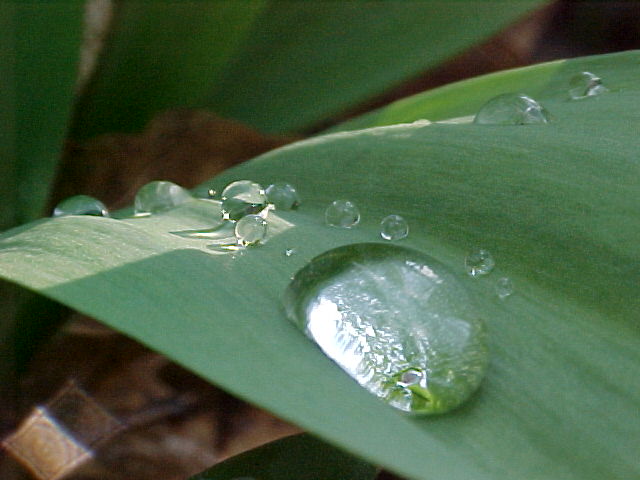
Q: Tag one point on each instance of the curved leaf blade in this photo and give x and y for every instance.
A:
(278, 66)
(554, 203)
(299, 457)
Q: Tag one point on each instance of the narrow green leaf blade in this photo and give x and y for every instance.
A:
(299, 457)
(555, 204)
(278, 66)
(39, 50)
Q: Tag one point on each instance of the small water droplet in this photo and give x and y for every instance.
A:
(250, 230)
(479, 262)
(241, 198)
(511, 109)
(585, 84)
(211, 193)
(342, 213)
(288, 252)
(283, 196)
(394, 227)
(80, 205)
(412, 376)
(504, 288)
(396, 320)
(159, 196)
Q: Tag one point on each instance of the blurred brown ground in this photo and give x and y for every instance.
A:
(177, 423)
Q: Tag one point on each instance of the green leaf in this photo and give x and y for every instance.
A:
(39, 47)
(278, 66)
(299, 457)
(557, 206)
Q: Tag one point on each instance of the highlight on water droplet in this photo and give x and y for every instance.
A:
(396, 320)
(289, 252)
(80, 205)
(511, 109)
(159, 196)
(342, 214)
(479, 263)
(504, 288)
(283, 196)
(250, 230)
(241, 198)
(394, 227)
(585, 84)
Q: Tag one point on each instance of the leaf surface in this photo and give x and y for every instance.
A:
(556, 205)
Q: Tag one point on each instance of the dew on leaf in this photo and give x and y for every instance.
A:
(511, 109)
(396, 320)
(585, 84)
(80, 205)
(342, 214)
(250, 230)
(394, 227)
(283, 196)
(504, 288)
(479, 262)
(241, 198)
(159, 196)
(289, 252)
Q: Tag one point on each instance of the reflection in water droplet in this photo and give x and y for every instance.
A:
(479, 262)
(585, 84)
(395, 320)
(394, 227)
(504, 288)
(511, 109)
(288, 252)
(159, 196)
(211, 193)
(241, 198)
(342, 213)
(81, 205)
(251, 229)
(283, 196)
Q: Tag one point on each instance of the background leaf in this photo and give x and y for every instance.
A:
(278, 66)
(39, 47)
(555, 204)
(299, 457)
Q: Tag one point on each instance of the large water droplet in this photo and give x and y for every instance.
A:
(159, 196)
(283, 196)
(251, 229)
(479, 262)
(396, 320)
(511, 109)
(394, 227)
(585, 84)
(241, 198)
(342, 213)
(81, 205)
